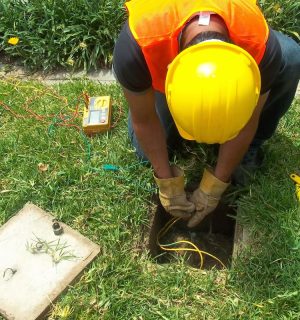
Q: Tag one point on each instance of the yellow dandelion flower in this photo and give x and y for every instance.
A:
(13, 41)
(82, 45)
(277, 8)
(70, 62)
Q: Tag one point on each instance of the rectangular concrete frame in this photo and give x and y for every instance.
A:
(37, 282)
(241, 238)
(240, 241)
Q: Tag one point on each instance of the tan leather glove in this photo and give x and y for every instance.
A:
(172, 195)
(206, 197)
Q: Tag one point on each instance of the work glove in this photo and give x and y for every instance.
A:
(172, 195)
(206, 197)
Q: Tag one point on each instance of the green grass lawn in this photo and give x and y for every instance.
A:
(111, 208)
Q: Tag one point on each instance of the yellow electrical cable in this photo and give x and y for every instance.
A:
(165, 247)
(298, 191)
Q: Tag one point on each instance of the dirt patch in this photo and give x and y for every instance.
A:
(214, 235)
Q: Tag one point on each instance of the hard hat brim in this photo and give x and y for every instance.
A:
(184, 134)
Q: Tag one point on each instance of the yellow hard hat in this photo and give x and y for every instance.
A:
(212, 89)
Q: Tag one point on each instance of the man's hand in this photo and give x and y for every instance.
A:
(172, 195)
(206, 197)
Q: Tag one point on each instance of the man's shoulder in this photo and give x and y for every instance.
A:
(129, 64)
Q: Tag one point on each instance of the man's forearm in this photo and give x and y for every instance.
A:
(152, 139)
(149, 131)
(232, 152)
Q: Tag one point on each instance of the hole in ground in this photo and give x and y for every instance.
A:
(215, 235)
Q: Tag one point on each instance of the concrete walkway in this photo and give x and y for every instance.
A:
(101, 76)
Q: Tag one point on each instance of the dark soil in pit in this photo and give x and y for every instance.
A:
(215, 235)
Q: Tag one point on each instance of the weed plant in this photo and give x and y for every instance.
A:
(61, 33)
(111, 208)
(283, 15)
(80, 34)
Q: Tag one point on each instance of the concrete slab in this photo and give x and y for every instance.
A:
(36, 265)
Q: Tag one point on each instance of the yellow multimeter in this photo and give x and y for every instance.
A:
(97, 115)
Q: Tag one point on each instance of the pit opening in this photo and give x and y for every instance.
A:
(215, 235)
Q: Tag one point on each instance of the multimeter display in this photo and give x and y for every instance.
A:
(94, 117)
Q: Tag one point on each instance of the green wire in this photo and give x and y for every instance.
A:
(88, 155)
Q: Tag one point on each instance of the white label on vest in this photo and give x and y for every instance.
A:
(204, 18)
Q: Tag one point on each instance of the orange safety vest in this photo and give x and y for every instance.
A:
(156, 24)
